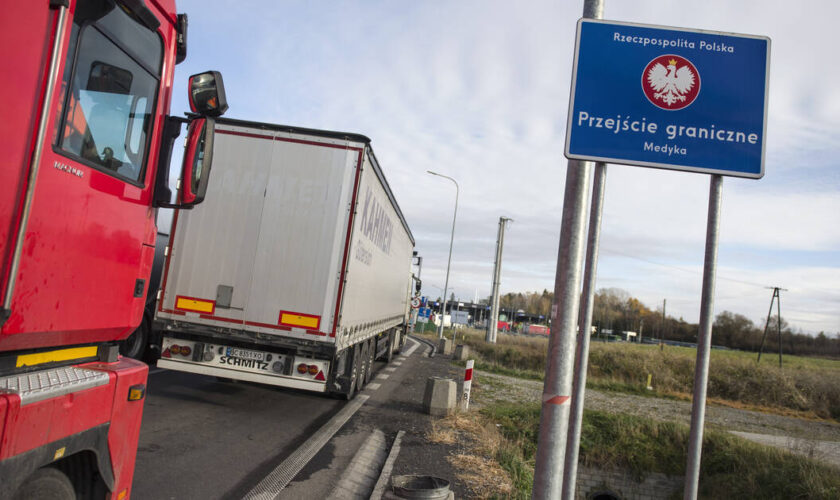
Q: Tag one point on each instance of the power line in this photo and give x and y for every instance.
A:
(669, 266)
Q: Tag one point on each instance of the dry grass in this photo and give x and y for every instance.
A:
(478, 443)
(731, 467)
(807, 387)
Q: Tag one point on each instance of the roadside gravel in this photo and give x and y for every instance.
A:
(492, 388)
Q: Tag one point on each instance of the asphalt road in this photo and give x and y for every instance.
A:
(204, 438)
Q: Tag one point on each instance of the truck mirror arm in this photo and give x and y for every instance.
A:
(171, 131)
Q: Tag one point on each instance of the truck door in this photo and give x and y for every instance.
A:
(89, 238)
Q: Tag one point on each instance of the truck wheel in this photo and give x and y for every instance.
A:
(135, 345)
(46, 483)
(361, 366)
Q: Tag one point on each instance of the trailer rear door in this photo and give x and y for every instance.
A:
(266, 249)
(211, 263)
(303, 234)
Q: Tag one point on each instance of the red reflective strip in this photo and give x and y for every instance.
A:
(169, 244)
(468, 375)
(264, 325)
(289, 139)
(557, 400)
(339, 295)
(316, 332)
(220, 318)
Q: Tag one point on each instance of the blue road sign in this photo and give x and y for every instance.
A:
(424, 312)
(669, 98)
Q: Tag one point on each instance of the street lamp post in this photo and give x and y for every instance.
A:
(449, 262)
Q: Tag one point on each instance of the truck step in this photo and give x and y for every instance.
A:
(41, 385)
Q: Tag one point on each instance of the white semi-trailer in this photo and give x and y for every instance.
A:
(295, 271)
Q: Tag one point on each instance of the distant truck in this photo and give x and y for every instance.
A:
(296, 269)
(535, 330)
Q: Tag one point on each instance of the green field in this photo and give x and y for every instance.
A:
(804, 386)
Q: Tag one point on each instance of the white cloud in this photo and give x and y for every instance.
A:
(479, 89)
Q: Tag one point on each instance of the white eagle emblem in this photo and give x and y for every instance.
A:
(670, 84)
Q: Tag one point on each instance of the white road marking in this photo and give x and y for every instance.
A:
(382, 376)
(390, 369)
(280, 477)
(373, 386)
(411, 349)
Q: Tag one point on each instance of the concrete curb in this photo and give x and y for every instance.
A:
(385, 475)
(428, 343)
(360, 476)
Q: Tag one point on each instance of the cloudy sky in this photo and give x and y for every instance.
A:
(479, 90)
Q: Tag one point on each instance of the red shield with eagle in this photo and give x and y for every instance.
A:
(671, 82)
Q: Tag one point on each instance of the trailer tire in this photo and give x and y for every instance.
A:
(371, 355)
(46, 482)
(359, 361)
(390, 354)
(353, 369)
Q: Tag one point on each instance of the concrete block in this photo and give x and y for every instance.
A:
(440, 397)
(462, 352)
(445, 347)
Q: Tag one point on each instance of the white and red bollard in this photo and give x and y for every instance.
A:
(468, 373)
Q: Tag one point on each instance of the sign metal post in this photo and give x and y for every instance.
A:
(650, 96)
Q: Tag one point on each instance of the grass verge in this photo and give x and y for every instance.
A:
(808, 387)
(731, 467)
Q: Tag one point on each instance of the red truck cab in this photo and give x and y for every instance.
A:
(86, 141)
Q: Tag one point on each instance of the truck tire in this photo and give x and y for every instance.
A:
(135, 345)
(46, 483)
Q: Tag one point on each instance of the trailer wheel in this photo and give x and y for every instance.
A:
(390, 355)
(371, 344)
(47, 482)
(352, 372)
(135, 345)
(361, 365)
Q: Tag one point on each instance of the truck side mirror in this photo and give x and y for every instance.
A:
(207, 94)
(198, 158)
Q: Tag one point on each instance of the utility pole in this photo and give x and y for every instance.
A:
(492, 325)
(662, 333)
(778, 298)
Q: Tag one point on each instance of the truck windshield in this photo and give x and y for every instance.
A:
(111, 96)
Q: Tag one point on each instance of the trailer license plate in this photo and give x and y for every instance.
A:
(245, 354)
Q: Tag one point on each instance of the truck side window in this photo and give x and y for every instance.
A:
(111, 93)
